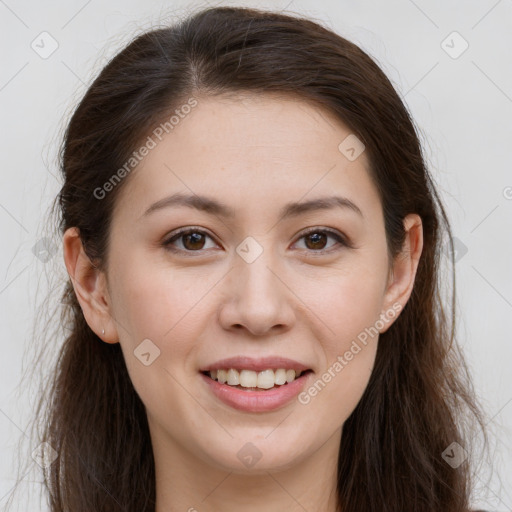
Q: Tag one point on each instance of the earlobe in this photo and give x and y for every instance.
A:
(405, 265)
(90, 286)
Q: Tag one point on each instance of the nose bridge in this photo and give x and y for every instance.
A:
(254, 275)
(258, 298)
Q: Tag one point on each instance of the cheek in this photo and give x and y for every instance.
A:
(156, 301)
(348, 309)
(348, 305)
(337, 390)
(166, 306)
(346, 301)
(350, 351)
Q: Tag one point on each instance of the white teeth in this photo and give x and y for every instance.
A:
(265, 379)
(280, 376)
(290, 375)
(248, 379)
(233, 377)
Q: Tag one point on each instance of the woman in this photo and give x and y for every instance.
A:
(256, 318)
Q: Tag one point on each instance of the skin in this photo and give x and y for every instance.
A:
(254, 153)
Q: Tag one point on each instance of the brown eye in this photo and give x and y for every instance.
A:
(316, 240)
(192, 240)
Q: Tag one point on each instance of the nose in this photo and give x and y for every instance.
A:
(257, 297)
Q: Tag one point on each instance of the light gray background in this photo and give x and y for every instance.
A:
(462, 105)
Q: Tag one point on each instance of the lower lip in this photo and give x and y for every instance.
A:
(257, 401)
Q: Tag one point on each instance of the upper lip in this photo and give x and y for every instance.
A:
(255, 364)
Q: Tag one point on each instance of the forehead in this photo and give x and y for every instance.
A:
(252, 151)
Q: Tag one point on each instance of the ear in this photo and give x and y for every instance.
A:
(90, 287)
(404, 267)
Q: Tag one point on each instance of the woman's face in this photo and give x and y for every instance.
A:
(278, 274)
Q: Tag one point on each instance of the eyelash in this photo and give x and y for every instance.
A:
(342, 241)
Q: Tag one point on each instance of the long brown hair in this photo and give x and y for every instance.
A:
(419, 399)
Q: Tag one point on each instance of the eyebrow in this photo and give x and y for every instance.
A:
(214, 207)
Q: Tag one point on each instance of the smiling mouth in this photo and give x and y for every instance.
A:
(249, 380)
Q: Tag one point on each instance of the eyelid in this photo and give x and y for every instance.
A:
(175, 235)
(341, 238)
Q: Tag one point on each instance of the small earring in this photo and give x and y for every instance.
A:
(102, 331)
